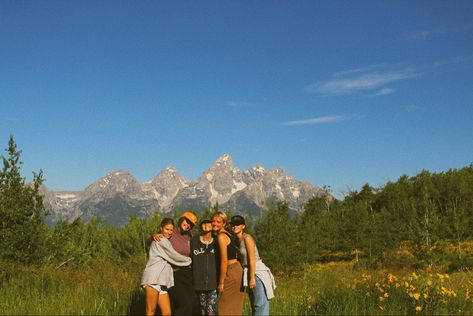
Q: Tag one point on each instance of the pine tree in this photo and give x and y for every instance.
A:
(22, 228)
(277, 238)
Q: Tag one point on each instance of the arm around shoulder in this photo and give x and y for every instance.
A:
(172, 256)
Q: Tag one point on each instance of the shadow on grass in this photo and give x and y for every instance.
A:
(138, 303)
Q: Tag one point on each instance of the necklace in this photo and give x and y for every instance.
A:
(205, 240)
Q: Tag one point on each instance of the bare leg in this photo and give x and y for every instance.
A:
(152, 297)
(164, 304)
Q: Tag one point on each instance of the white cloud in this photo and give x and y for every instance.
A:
(370, 68)
(423, 35)
(238, 104)
(384, 91)
(457, 60)
(367, 81)
(413, 108)
(418, 36)
(318, 120)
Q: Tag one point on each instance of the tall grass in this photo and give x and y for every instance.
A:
(101, 288)
(105, 288)
(339, 289)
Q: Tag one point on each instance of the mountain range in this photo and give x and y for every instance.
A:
(116, 196)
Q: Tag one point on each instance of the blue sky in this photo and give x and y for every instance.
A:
(339, 93)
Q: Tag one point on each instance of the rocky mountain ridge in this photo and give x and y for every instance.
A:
(117, 195)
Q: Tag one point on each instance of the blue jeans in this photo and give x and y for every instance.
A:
(259, 301)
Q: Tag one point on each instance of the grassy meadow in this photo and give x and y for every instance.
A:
(98, 289)
(330, 288)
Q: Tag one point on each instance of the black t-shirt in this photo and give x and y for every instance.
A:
(204, 267)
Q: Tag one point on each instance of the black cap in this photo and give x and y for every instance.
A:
(203, 221)
(237, 220)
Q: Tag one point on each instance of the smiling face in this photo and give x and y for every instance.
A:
(185, 226)
(217, 223)
(166, 230)
(238, 228)
(206, 227)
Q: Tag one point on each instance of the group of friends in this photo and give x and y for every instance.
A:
(208, 273)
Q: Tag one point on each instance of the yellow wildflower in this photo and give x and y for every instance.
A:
(381, 298)
(429, 282)
(426, 295)
(419, 309)
(386, 295)
(429, 268)
(416, 296)
(443, 276)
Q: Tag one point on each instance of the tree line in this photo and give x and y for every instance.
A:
(426, 214)
(429, 215)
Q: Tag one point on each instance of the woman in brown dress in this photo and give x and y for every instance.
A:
(230, 270)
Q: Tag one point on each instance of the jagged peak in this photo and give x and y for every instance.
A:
(118, 172)
(225, 159)
(277, 170)
(117, 175)
(111, 179)
(170, 169)
(256, 172)
(168, 172)
(258, 168)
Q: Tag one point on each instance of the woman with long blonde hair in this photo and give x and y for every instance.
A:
(230, 271)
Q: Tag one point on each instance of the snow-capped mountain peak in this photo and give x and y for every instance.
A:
(118, 194)
(225, 160)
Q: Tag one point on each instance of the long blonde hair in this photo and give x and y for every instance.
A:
(223, 216)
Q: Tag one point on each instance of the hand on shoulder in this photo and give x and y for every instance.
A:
(157, 236)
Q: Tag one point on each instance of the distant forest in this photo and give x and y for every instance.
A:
(415, 221)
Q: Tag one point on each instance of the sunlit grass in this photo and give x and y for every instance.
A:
(339, 289)
(105, 288)
(102, 288)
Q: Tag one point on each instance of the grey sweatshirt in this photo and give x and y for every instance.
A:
(158, 269)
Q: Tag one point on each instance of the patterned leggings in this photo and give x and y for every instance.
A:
(208, 302)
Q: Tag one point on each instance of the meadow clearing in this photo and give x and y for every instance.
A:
(327, 288)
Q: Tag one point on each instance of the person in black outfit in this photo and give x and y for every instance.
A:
(204, 268)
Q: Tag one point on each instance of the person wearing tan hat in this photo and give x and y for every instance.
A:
(182, 290)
